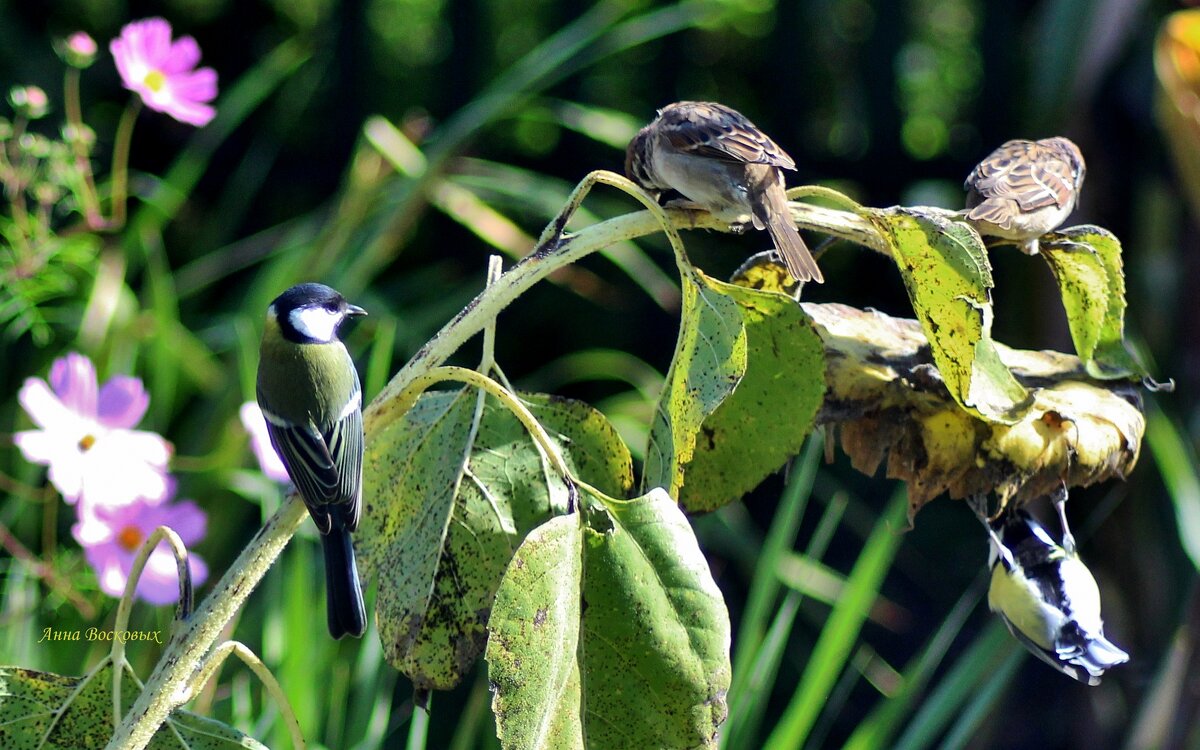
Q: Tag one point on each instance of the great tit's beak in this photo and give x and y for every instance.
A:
(354, 311)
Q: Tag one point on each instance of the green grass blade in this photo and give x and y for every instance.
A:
(979, 665)
(840, 633)
(746, 712)
(764, 589)
(1178, 466)
(884, 721)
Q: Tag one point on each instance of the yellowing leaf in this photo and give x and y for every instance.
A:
(946, 271)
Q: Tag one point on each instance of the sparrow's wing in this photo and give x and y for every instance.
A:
(1032, 175)
(718, 132)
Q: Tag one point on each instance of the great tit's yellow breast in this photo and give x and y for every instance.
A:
(305, 381)
(1016, 598)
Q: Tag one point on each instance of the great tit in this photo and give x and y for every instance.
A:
(309, 393)
(1046, 595)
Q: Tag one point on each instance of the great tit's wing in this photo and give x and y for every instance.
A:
(306, 457)
(345, 441)
(718, 132)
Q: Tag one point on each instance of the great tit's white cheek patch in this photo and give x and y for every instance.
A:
(316, 323)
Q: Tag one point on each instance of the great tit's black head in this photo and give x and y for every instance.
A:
(311, 313)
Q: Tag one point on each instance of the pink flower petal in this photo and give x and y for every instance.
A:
(153, 40)
(99, 531)
(200, 86)
(260, 442)
(123, 402)
(183, 56)
(192, 114)
(73, 378)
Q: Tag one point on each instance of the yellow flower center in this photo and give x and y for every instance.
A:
(154, 80)
(86, 442)
(130, 538)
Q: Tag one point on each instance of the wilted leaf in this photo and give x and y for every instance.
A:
(1086, 262)
(608, 626)
(447, 501)
(710, 359)
(764, 421)
(44, 711)
(889, 403)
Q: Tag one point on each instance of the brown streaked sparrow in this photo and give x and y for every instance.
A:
(720, 161)
(1025, 189)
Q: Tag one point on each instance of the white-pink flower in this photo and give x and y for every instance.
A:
(268, 460)
(163, 72)
(111, 537)
(85, 435)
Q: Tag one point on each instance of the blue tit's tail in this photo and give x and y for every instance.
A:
(344, 602)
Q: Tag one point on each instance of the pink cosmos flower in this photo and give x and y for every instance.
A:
(85, 435)
(111, 537)
(268, 460)
(163, 72)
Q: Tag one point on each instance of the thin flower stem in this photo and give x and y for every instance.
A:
(122, 143)
(16, 189)
(71, 102)
(45, 572)
(192, 642)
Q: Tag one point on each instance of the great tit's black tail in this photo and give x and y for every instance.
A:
(344, 602)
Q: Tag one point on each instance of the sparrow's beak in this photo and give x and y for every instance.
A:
(354, 311)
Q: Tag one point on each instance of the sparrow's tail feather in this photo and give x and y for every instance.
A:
(344, 602)
(799, 261)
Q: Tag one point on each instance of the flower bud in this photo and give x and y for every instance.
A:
(29, 101)
(77, 50)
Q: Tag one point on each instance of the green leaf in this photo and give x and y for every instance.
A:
(945, 268)
(608, 626)
(1086, 262)
(41, 710)
(710, 359)
(448, 498)
(763, 423)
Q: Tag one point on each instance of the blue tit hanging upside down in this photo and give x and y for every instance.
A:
(1046, 595)
(309, 393)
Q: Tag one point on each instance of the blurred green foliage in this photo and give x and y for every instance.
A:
(893, 100)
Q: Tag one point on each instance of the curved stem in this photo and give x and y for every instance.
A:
(502, 394)
(251, 660)
(126, 604)
(190, 644)
(120, 163)
(552, 252)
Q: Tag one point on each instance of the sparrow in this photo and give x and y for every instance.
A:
(309, 393)
(719, 160)
(1025, 189)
